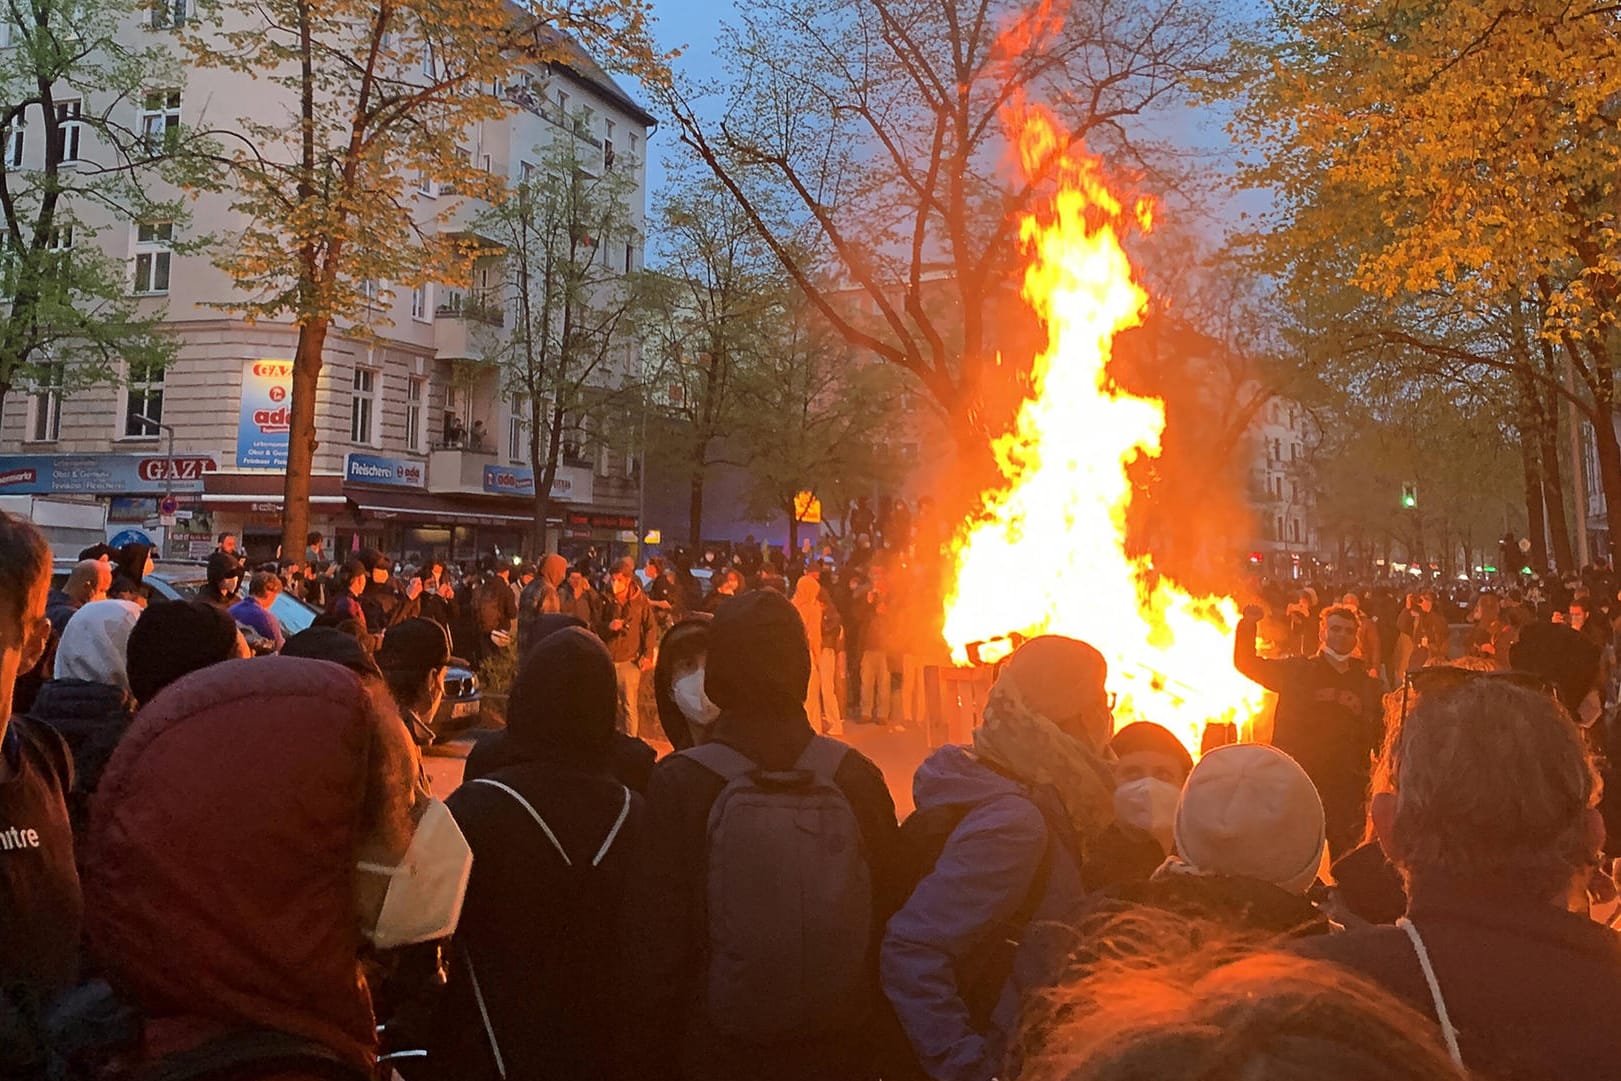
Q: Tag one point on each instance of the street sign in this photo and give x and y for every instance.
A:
(167, 506)
(166, 521)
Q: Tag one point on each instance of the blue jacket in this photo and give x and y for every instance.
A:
(983, 877)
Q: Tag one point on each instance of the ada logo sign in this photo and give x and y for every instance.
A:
(265, 418)
(392, 472)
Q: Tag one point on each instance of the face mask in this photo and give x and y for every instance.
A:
(695, 706)
(1339, 658)
(1149, 804)
(424, 898)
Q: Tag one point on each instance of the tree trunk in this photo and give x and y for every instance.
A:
(301, 441)
(695, 511)
(793, 529)
(1536, 530)
(1553, 491)
(1609, 462)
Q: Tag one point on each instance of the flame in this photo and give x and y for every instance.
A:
(1046, 553)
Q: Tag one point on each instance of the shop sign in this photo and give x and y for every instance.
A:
(568, 486)
(102, 474)
(265, 419)
(385, 472)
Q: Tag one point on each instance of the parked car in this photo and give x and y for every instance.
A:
(175, 581)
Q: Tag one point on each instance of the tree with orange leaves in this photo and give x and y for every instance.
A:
(1450, 163)
(368, 99)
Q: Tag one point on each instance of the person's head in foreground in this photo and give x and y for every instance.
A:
(306, 826)
(1490, 787)
(25, 579)
(174, 638)
(758, 660)
(1249, 811)
(1047, 720)
(563, 701)
(1209, 1017)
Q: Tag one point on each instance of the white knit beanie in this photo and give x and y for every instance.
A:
(1249, 809)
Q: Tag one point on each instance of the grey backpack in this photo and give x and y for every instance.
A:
(789, 897)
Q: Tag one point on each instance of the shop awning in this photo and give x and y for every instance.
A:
(263, 491)
(446, 510)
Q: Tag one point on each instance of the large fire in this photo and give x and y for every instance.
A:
(1046, 552)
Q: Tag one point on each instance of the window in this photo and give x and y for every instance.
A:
(464, 156)
(419, 303)
(361, 403)
(562, 105)
(152, 256)
(424, 183)
(67, 117)
(1294, 453)
(171, 12)
(143, 402)
(1294, 529)
(45, 405)
(160, 119)
(518, 430)
(61, 238)
(627, 256)
(415, 393)
(1277, 528)
(15, 139)
(632, 143)
(427, 59)
(371, 291)
(608, 143)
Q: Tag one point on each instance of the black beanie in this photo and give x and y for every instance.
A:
(173, 638)
(759, 657)
(1156, 739)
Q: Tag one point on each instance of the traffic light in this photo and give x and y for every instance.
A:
(1409, 495)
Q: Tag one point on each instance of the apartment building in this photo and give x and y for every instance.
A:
(419, 449)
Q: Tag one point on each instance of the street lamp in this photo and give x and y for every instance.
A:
(168, 467)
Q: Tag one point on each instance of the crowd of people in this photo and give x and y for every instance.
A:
(221, 866)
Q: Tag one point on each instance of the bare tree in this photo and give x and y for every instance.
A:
(879, 125)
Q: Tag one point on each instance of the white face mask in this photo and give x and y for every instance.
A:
(425, 892)
(1149, 804)
(1340, 658)
(695, 706)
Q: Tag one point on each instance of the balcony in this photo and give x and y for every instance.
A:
(465, 330)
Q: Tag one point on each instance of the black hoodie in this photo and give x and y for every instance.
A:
(757, 671)
(537, 932)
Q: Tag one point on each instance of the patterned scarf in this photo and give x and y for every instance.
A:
(1038, 752)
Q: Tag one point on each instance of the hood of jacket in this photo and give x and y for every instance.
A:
(757, 672)
(130, 561)
(681, 644)
(564, 699)
(219, 883)
(94, 643)
(953, 777)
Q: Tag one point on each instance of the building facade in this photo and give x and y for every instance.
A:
(419, 449)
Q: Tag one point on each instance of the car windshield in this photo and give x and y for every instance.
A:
(293, 614)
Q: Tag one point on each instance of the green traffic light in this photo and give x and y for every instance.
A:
(1408, 501)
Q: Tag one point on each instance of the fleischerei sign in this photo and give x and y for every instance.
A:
(265, 420)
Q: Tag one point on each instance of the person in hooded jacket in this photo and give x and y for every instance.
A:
(231, 905)
(224, 575)
(1249, 843)
(89, 702)
(685, 713)
(383, 600)
(1033, 789)
(540, 597)
(131, 564)
(756, 670)
(553, 832)
(173, 638)
(629, 759)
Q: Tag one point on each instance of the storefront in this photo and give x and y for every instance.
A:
(132, 488)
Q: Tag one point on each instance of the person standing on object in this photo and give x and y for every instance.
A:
(1329, 716)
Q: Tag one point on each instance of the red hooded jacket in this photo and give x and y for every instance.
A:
(219, 888)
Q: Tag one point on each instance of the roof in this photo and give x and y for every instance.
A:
(573, 60)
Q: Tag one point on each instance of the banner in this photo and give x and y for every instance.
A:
(102, 474)
(389, 472)
(263, 425)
